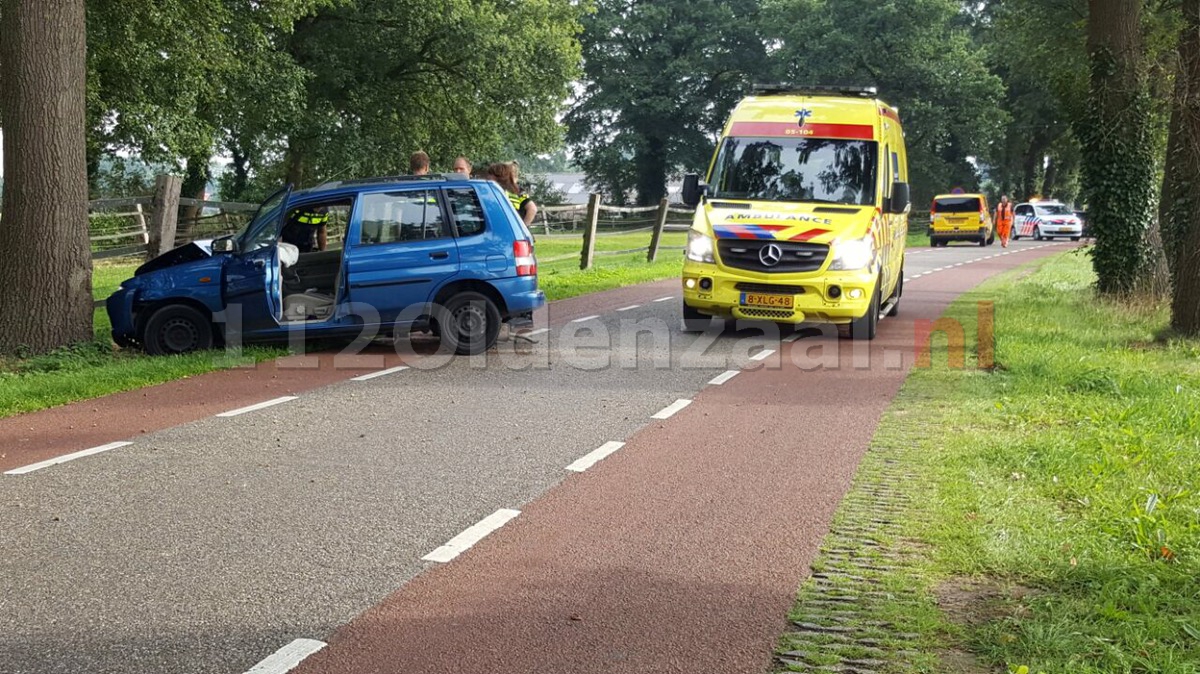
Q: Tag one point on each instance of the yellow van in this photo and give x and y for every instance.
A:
(960, 217)
(803, 214)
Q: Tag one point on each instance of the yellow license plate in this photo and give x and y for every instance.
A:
(768, 301)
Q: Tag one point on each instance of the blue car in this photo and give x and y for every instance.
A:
(354, 259)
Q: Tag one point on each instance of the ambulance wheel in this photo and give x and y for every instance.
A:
(469, 324)
(896, 295)
(176, 329)
(694, 321)
(864, 329)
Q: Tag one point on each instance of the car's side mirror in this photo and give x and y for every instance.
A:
(901, 200)
(225, 244)
(693, 189)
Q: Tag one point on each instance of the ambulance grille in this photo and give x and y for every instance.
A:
(797, 257)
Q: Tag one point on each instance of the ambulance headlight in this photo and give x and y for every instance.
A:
(853, 255)
(700, 247)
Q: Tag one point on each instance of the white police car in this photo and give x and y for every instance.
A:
(1046, 220)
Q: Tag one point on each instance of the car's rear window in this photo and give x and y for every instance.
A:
(958, 205)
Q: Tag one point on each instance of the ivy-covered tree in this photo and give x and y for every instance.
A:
(659, 79)
(922, 58)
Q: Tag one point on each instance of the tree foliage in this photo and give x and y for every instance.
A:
(923, 59)
(660, 77)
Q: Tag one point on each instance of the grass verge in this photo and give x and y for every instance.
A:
(1041, 516)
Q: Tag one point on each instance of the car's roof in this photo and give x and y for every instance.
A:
(384, 182)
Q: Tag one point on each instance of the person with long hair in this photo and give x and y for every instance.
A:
(505, 175)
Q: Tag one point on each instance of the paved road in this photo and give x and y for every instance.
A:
(207, 546)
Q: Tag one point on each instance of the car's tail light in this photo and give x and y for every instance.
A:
(526, 262)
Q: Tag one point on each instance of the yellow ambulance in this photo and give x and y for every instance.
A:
(803, 214)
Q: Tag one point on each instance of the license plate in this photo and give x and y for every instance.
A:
(768, 301)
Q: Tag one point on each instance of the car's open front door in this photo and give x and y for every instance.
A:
(253, 302)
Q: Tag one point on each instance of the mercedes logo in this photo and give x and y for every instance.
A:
(770, 255)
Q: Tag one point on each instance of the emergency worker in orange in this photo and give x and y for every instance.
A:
(1004, 220)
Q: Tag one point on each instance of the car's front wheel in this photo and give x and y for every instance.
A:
(469, 324)
(866, 327)
(175, 329)
(694, 321)
(1037, 234)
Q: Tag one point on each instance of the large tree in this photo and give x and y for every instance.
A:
(660, 77)
(1181, 221)
(45, 263)
(922, 58)
(1117, 136)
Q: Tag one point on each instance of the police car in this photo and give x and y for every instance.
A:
(1046, 220)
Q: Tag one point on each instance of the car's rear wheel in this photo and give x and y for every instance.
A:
(469, 324)
(991, 238)
(983, 241)
(175, 329)
(898, 293)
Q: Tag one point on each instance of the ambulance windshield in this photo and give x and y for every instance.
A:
(796, 169)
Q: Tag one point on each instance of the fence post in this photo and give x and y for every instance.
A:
(165, 215)
(140, 215)
(589, 234)
(546, 222)
(659, 223)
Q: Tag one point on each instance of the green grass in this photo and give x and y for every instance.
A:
(107, 276)
(1072, 470)
(563, 278)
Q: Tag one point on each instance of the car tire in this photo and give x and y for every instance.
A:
(1075, 238)
(1037, 234)
(176, 329)
(694, 321)
(992, 238)
(897, 294)
(983, 242)
(866, 328)
(469, 323)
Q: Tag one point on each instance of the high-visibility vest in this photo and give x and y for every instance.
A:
(312, 218)
(517, 200)
(1004, 212)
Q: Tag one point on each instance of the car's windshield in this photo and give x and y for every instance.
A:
(796, 169)
(1053, 209)
(260, 232)
(958, 205)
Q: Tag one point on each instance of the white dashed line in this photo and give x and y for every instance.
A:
(259, 406)
(629, 308)
(535, 333)
(763, 355)
(791, 338)
(286, 658)
(959, 264)
(672, 409)
(724, 377)
(595, 456)
(585, 319)
(381, 373)
(475, 533)
(65, 458)
(665, 299)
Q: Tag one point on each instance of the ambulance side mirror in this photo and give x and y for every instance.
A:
(693, 190)
(901, 200)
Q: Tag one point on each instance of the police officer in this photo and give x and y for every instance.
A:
(505, 175)
(305, 229)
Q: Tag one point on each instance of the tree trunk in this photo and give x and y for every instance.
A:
(1050, 179)
(1118, 149)
(1184, 174)
(45, 257)
(195, 186)
(652, 172)
(241, 173)
(295, 162)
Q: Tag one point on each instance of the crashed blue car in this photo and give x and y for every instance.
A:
(354, 259)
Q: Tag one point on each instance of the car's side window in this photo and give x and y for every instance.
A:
(396, 217)
(468, 213)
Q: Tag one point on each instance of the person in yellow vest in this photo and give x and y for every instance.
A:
(505, 175)
(1004, 220)
(305, 230)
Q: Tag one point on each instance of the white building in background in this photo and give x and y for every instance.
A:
(574, 186)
